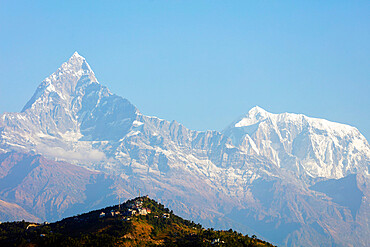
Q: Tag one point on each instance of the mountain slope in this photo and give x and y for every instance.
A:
(116, 226)
(11, 211)
(257, 175)
(52, 190)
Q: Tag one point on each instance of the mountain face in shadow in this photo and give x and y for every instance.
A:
(344, 192)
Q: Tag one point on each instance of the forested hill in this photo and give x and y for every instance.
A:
(138, 222)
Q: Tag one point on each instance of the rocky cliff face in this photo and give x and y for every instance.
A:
(258, 175)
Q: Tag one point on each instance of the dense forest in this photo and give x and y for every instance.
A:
(138, 222)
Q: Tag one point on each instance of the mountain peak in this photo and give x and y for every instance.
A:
(72, 74)
(75, 54)
(256, 110)
(76, 63)
(254, 115)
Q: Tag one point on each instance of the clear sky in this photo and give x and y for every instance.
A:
(201, 63)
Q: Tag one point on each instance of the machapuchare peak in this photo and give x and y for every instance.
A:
(64, 82)
(77, 63)
(76, 54)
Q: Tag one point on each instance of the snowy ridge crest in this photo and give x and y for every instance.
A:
(317, 147)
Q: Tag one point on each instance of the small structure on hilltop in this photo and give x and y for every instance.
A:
(131, 212)
(135, 207)
(32, 225)
(144, 211)
(166, 215)
(114, 213)
(102, 215)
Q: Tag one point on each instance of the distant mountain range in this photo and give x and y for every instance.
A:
(291, 179)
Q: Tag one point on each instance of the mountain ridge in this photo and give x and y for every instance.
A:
(210, 176)
(286, 129)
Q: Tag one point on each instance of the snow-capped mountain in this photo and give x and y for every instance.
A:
(68, 111)
(316, 147)
(266, 173)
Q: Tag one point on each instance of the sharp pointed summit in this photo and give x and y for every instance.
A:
(69, 78)
(78, 63)
(72, 102)
(257, 109)
(76, 54)
(253, 116)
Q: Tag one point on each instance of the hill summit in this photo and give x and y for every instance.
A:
(137, 222)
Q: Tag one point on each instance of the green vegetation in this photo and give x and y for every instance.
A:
(121, 227)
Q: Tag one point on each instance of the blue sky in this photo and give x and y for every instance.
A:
(201, 63)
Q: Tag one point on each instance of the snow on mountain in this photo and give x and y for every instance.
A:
(256, 173)
(305, 145)
(68, 111)
(62, 85)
